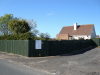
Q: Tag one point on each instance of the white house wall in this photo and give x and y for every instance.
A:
(93, 34)
(82, 36)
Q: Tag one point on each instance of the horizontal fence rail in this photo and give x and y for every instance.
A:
(49, 48)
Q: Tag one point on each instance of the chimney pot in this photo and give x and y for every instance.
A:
(75, 26)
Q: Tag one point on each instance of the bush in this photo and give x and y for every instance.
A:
(24, 36)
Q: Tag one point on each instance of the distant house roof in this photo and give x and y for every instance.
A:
(81, 30)
(97, 36)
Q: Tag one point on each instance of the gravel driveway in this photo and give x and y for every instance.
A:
(85, 63)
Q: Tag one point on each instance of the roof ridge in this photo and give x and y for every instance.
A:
(79, 25)
(88, 24)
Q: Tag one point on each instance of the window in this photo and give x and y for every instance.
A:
(81, 38)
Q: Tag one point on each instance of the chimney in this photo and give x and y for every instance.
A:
(75, 26)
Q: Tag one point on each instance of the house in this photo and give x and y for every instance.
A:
(97, 36)
(77, 32)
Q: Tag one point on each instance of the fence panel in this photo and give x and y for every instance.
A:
(14, 46)
(95, 42)
(49, 48)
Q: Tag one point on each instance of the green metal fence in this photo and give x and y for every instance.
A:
(15, 46)
(95, 42)
(49, 48)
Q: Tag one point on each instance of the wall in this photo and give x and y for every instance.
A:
(62, 36)
(93, 34)
(81, 36)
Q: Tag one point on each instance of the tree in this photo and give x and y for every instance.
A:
(18, 26)
(44, 36)
(33, 26)
(47, 36)
(4, 23)
(10, 24)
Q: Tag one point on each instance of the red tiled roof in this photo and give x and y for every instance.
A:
(97, 36)
(81, 30)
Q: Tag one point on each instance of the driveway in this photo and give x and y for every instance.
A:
(84, 63)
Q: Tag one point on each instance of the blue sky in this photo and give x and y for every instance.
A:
(52, 15)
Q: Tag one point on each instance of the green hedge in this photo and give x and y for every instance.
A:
(23, 36)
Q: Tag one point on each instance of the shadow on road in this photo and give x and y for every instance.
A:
(79, 52)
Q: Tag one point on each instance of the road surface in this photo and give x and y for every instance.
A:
(11, 68)
(84, 63)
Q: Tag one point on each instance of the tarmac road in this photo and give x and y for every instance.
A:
(11, 68)
(83, 63)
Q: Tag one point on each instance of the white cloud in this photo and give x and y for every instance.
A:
(50, 14)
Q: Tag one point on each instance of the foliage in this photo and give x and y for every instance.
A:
(14, 28)
(4, 23)
(44, 36)
(32, 24)
(18, 26)
(24, 36)
(95, 38)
